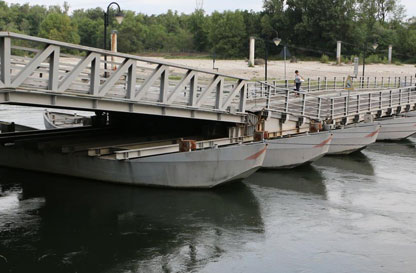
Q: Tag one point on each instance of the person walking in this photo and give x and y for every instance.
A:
(298, 80)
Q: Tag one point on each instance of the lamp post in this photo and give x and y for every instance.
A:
(276, 41)
(375, 45)
(119, 17)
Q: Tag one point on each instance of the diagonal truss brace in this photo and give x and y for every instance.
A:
(215, 83)
(94, 60)
(187, 78)
(240, 85)
(52, 51)
(152, 78)
(124, 67)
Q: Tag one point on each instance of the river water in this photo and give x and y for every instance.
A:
(352, 213)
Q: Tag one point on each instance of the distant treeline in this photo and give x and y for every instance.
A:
(310, 28)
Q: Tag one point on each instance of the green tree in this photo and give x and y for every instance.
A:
(198, 25)
(227, 34)
(58, 26)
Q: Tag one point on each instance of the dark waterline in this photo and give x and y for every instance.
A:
(352, 213)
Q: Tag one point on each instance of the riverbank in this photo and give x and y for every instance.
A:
(307, 69)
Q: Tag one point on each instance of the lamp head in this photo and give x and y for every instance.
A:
(375, 45)
(119, 17)
(277, 41)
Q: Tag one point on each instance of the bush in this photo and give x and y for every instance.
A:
(346, 60)
(373, 59)
(324, 59)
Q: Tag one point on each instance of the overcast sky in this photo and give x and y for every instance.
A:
(186, 6)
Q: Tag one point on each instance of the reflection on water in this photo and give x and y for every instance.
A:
(318, 219)
(403, 148)
(303, 179)
(74, 225)
(355, 163)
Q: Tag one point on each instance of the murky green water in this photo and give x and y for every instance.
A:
(342, 214)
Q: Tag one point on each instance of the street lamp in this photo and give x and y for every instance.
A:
(375, 45)
(276, 41)
(119, 18)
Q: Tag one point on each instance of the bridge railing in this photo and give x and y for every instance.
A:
(335, 83)
(335, 107)
(369, 102)
(37, 64)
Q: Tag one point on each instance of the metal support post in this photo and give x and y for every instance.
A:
(5, 54)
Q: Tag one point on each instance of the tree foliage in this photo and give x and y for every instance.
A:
(308, 27)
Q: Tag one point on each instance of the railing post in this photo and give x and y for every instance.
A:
(400, 97)
(326, 83)
(164, 86)
(193, 90)
(369, 102)
(274, 87)
(335, 83)
(368, 82)
(400, 82)
(382, 82)
(243, 93)
(389, 82)
(319, 83)
(309, 84)
(332, 108)
(268, 97)
(380, 100)
(358, 104)
(287, 101)
(261, 90)
(405, 81)
(319, 107)
(411, 80)
(345, 106)
(343, 82)
(95, 79)
(408, 95)
(303, 104)
(219, 93)
(375, 82)
(395, 82)
(391, 98)
(286, 84)
(5, 54)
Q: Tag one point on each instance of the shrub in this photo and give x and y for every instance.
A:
(373, 59)
(324, 59)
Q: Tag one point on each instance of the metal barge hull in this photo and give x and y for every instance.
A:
(295, 151)
(396, 128)
(196, 169)
(351, 139)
